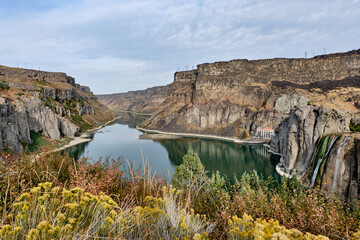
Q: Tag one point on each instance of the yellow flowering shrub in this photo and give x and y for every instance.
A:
(54, 213)
(47, 212)
(247, 228)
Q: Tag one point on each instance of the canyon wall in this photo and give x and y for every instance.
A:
(241, 97)
(18, 118)
(335, 166)
(142, 101)
(295, 137)
(48, 103)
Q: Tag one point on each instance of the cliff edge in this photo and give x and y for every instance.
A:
(46, 103)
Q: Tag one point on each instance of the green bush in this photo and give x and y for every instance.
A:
(4, 86)
(37, 139)
(189, 171)
(353, 127)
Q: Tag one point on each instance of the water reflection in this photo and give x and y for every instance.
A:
(121, 139)
(226, 157)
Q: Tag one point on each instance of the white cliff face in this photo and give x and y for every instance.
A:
(18, 118)
(285, 103)
(296, 136)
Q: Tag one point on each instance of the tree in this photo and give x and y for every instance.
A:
(191, 170)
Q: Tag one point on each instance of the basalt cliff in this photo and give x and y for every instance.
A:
(292, 103)
(46, 103)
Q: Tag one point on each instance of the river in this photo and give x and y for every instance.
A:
(121, 139)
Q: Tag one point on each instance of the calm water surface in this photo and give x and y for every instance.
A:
(121, 139)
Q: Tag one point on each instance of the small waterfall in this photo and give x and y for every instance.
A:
(339, 157)
(324, 147)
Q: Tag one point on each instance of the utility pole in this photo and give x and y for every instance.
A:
(305, 54)
(324, 50)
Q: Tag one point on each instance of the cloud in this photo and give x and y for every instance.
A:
(131, 44)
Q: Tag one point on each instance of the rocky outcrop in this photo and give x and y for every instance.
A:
(335, 166)
(44, 102)
(295, 137)
(55, 85)
(30, 114)
(142, 101)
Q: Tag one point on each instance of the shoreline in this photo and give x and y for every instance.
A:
(137, 113)
(194, 135)
(83, 138)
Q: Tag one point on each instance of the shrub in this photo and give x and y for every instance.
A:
(293, 205)
(47, 212)
(190, 171)
(354, 127)
(4, 86)
(246, 228)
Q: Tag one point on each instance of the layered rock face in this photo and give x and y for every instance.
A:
(296, 136)
(242, 96)
(44, 102)
(18, 118)
(142, 101)
(54, 85)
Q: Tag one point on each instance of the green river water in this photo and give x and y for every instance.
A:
(121, 139)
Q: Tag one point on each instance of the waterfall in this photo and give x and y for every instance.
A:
(339, 157)
(322, 156)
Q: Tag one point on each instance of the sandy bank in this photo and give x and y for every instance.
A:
(157, 136)
(194, 135)
(83, 138)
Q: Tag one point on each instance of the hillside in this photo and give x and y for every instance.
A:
(142, 101)
(47, 103)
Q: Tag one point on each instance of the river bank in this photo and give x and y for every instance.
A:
(194, 135)
(84, 137)
(155, 134)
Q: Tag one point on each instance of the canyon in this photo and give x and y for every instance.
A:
(46, 103)
(146, 101)
(298, 100)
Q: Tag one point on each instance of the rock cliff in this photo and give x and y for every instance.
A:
(51, 104)
(335, 165)
(142, 101)
(239, 98)
(295, 137)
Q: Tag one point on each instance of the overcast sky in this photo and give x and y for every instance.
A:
(117, 46)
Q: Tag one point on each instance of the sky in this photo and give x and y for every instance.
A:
(117, 46)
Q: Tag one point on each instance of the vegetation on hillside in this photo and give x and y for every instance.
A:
(354, 127)
(4, 86)
(105, 202)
